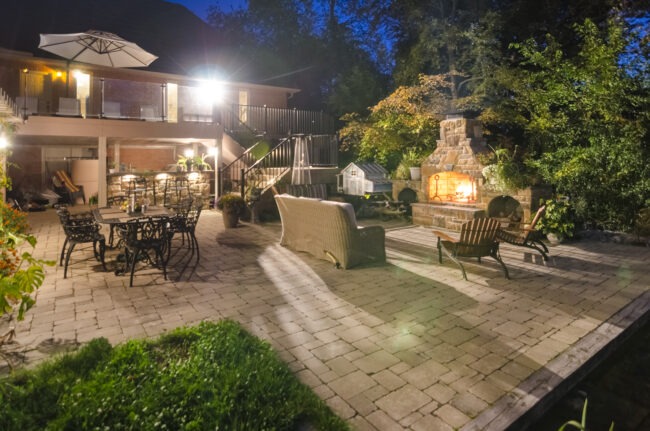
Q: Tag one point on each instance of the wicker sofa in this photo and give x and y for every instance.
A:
(328, 230)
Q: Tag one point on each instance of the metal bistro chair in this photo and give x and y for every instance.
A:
(477, 239)
(184, 223)
(114, 201)
(145, 240)
(80, 229)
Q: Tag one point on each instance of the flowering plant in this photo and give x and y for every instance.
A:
(20, 273)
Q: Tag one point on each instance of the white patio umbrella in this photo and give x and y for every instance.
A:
(96, 47)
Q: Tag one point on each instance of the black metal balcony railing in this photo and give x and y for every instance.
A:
(275, 122)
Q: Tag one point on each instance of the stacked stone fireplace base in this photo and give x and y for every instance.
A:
(447, 216)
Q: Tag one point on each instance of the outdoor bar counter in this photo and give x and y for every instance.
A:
(198, 183)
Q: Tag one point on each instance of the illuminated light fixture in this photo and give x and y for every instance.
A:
(211, 92)
(188, 153)
(59, 74)
(4, 142)
(213, 151)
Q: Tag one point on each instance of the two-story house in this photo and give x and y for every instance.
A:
(90, 120)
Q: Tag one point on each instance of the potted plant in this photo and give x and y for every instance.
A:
(558, 220)
(200, 163)
(111, 167)
(182, 163)
(232, 206)
(413, 161)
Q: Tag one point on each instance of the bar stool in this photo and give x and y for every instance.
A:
(177, 188)
(139, 187)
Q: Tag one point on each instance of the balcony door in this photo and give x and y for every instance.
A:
(243, 105)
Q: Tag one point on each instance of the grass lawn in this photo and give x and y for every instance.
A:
(212, 376)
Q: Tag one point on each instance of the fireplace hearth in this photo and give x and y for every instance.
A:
(454, 187)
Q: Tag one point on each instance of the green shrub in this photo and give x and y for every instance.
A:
(558, 218)
(213, 376)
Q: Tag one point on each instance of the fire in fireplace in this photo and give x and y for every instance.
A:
(453, 187)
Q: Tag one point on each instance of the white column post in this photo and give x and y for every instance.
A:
(102, 187)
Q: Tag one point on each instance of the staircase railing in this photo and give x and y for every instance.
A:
(259, 166)
(269, 169)
(263, 164)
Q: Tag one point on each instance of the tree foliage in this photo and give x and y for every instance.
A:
(408, 119)
(20, 273)
(564, 83)
(325, 48)
(584, 122)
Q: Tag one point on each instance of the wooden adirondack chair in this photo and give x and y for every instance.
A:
(477, 239)
(526, 235)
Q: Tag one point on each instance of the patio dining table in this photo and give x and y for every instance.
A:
(116, 215)
(117, 218)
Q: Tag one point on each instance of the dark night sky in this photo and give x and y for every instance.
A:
(200, 7)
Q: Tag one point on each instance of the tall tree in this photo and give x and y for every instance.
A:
(582, 120)
(310, 45)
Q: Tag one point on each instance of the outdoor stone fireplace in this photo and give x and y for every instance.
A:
(453, 186)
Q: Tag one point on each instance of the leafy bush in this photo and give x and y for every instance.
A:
(558, 218)
(17, 283)
(213, 376)
(581, 120)
(231, 202)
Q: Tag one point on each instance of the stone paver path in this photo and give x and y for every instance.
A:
(405, 345)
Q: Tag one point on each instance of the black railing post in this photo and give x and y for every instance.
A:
(242, 186)
(219, 192)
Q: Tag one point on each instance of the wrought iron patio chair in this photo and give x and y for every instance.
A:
(525, 235)
(184, 223)
(145, 240)
(115, 201)
(80, 229)
(477, 239)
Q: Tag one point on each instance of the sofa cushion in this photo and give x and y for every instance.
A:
(348, 208)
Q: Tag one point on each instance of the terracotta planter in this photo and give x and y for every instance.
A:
(555, 239)
(230, 218)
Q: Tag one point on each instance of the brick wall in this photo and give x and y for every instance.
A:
(142, 159)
